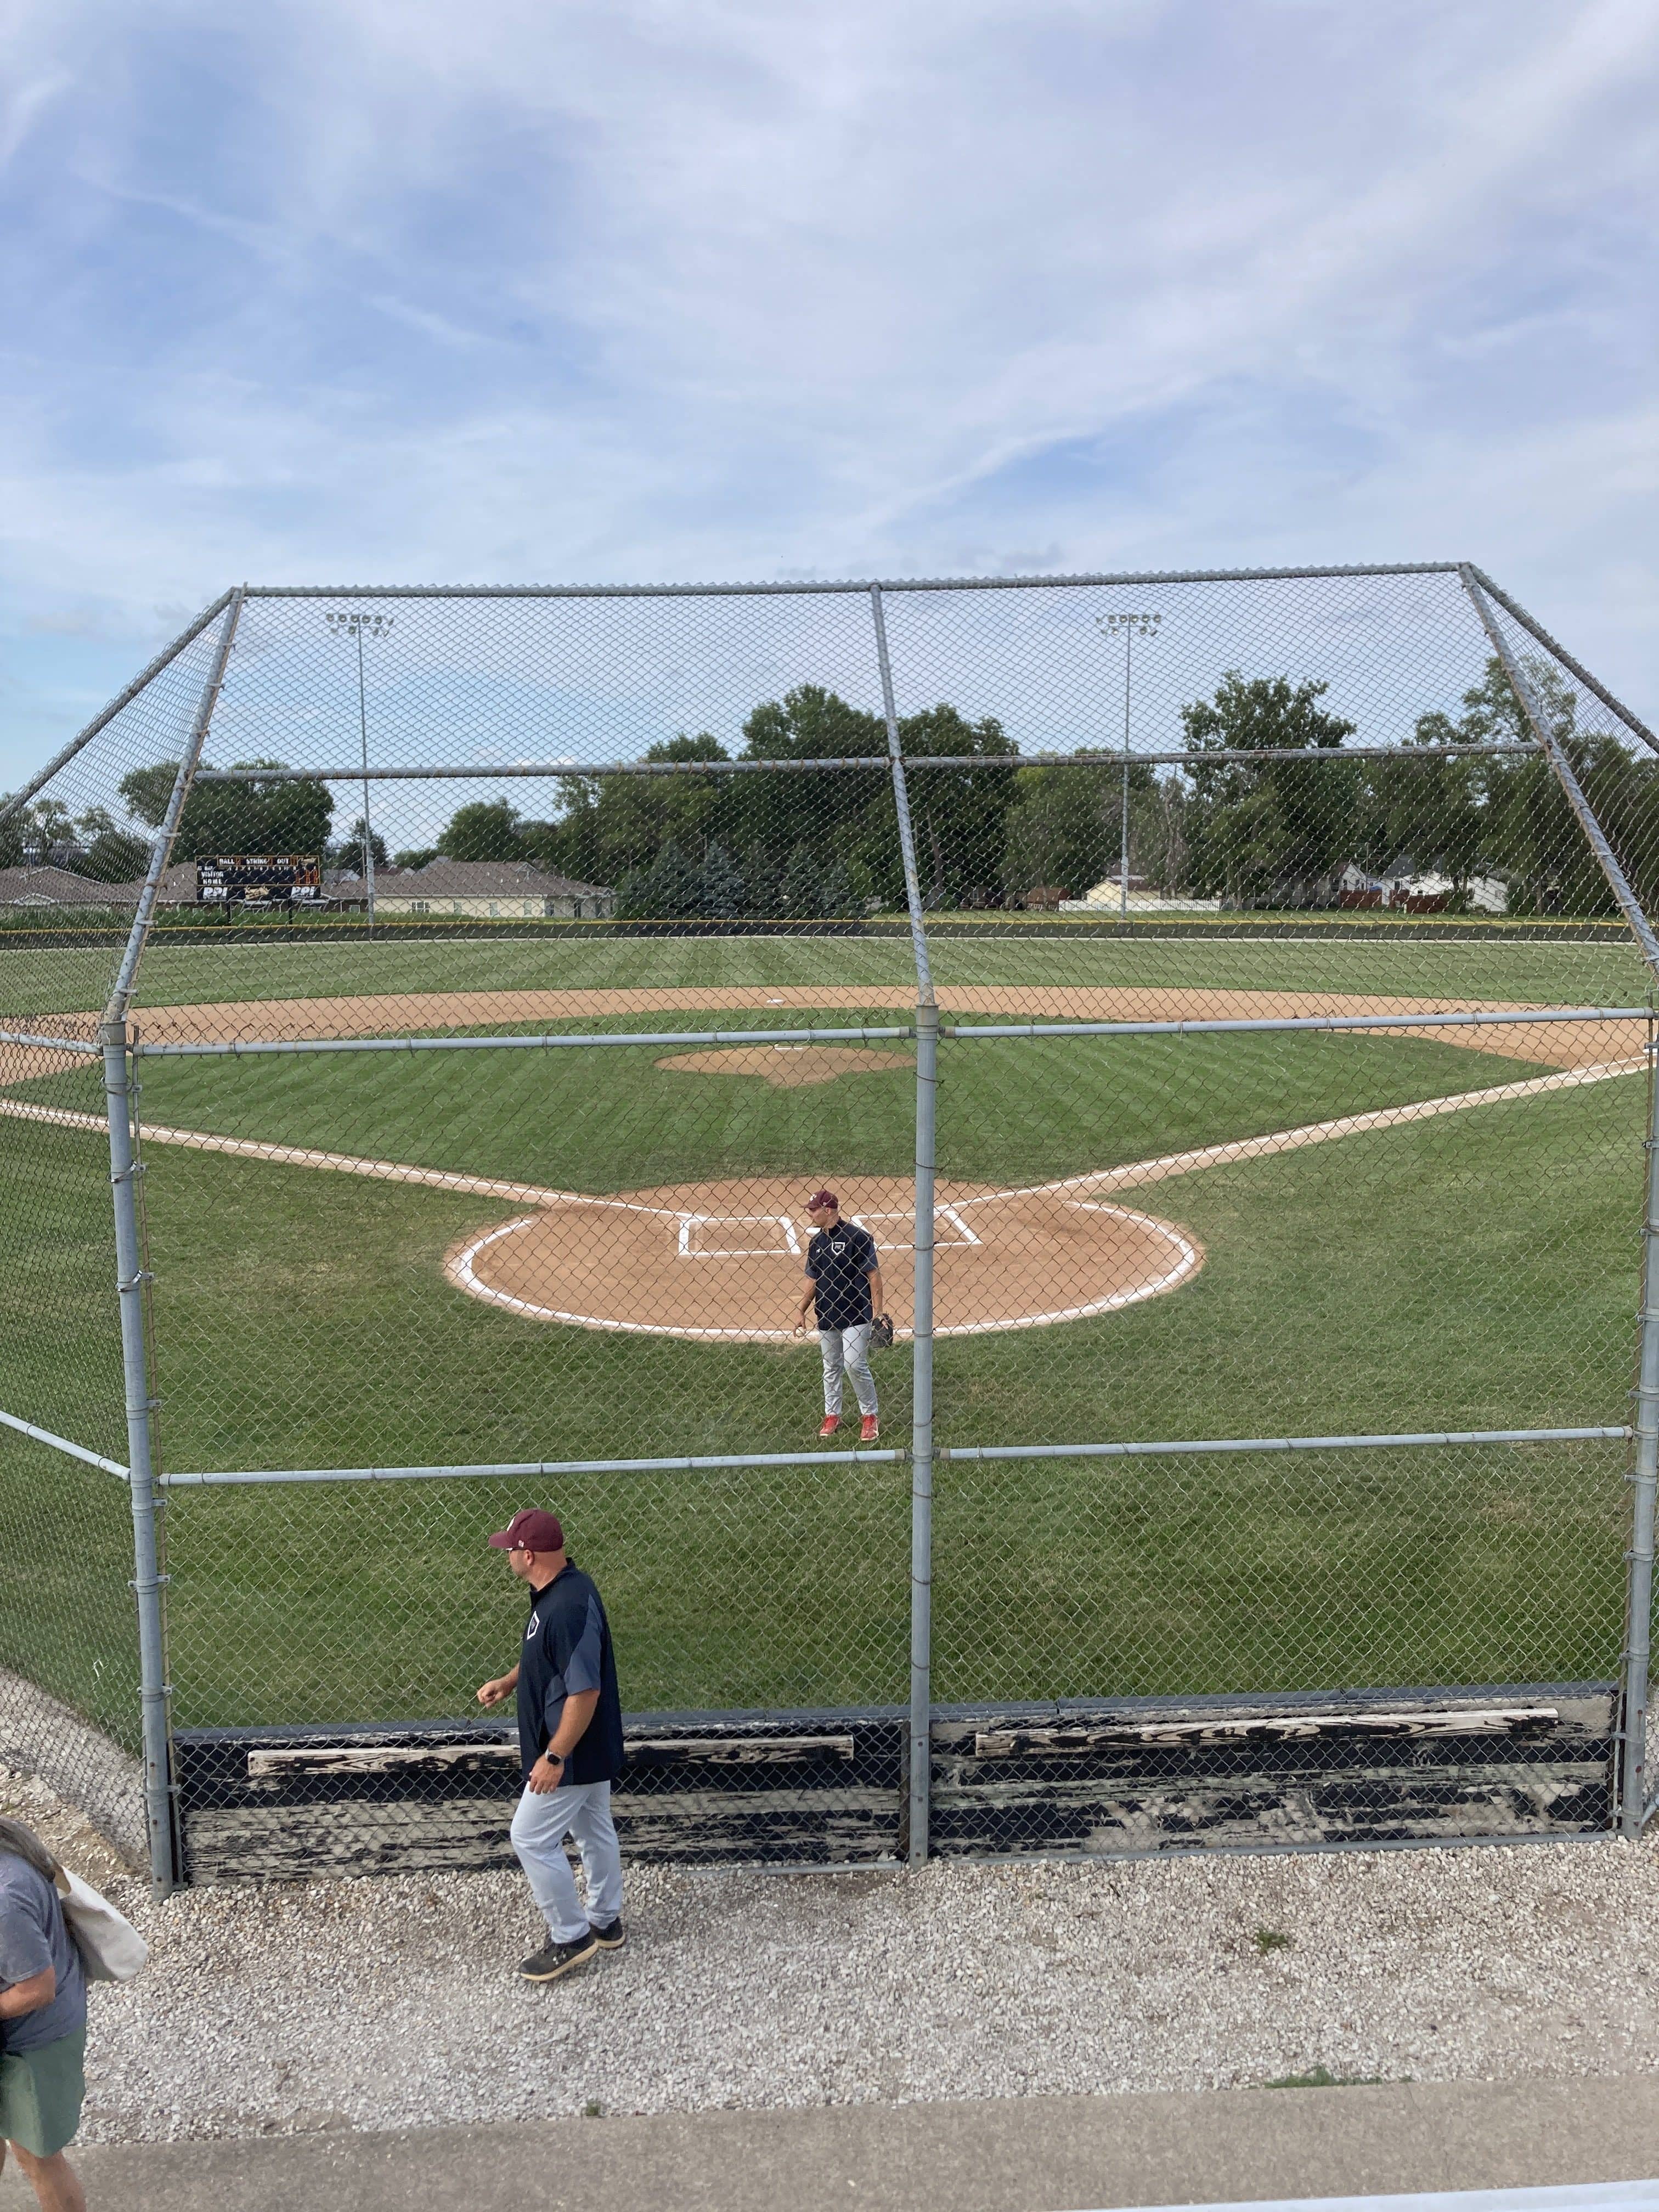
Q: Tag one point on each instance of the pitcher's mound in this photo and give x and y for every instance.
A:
(786, 1066)
(725, 1260)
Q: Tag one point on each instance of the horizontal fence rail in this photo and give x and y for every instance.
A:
(1279, 1023)
(525, 1468)
(1501, 1019)
(1426, 1437)
(256, 1046)
(62, 1445)
(715, 1461)
(52, 1043)
(862, 764)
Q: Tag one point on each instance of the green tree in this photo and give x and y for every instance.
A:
(108, 853)
(487, 829)
(1064, 827)
(960, 815)
(671, 889)
(722, 885)
(347, 855)
(1524, 826)
(221, 819)
(804, 884)
(615, 825)
(1265, 834)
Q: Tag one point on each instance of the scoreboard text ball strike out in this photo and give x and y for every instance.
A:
(250, 879)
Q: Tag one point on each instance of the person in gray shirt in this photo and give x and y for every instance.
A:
(43, 2021)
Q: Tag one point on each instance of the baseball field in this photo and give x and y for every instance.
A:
(448, 1257)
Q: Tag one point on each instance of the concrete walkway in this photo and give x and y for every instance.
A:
(1030, 2155)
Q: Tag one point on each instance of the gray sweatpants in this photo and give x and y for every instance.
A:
(582, 1810)
(847, 1351)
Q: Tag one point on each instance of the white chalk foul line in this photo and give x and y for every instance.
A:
(1314, 1132)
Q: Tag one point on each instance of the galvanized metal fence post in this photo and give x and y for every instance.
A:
(130, 1279)
(921, 1448)
(1644, 1485)
(146, 1579)
(919, 1749)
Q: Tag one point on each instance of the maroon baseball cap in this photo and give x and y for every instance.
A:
(531, 1530)
(822, 1198)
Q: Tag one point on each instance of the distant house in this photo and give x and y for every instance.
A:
(1144, 898)
(51, 888)
(486, 889)
(1407, 889)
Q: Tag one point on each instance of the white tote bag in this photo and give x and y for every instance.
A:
(110, 1948)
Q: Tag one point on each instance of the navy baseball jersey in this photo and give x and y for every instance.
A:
(841, 1261)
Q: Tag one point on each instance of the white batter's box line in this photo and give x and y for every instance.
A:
(691, 1222)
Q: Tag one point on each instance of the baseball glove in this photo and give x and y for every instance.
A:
(881, 1331)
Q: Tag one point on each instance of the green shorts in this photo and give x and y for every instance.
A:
(41, 2093)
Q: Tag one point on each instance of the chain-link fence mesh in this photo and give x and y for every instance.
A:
(522, 966)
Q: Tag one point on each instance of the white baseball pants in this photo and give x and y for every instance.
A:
(580, 1810)
(846, 1351)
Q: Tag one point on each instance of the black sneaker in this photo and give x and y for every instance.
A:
(556, 1959)
(612, 1936)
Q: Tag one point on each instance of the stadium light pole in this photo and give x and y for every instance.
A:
(356, 627)
(1128, 627)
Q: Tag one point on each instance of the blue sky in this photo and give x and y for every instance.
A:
(391, 290)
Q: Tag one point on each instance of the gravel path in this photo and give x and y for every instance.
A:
(377, 2005)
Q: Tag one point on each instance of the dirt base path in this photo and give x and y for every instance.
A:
(724, 1259)
(1555, 1044)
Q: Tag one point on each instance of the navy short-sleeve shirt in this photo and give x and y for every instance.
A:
(566, 1650)
(841, 1260)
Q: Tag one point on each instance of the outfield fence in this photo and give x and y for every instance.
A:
(1267, 1447)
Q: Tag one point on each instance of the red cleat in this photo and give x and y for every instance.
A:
(831, 1423)
(869, 1430)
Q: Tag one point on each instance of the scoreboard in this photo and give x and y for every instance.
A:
(260, 879)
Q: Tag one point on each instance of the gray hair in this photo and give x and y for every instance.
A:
(23, 1842)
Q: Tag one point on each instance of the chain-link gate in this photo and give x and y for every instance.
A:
(1226, 1002)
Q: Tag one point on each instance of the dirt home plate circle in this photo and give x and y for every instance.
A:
(723, 1260)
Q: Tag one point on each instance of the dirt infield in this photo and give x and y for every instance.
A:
(787, 1067)
(724, 1259)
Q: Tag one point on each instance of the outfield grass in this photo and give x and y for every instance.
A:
(72, 980)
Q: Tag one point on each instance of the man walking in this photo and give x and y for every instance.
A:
(844, 1279)
(570, 1748)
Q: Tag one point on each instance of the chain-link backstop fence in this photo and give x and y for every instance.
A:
(1224, 1001)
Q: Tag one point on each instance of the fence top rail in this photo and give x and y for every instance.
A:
(819, 588)
(866, 764)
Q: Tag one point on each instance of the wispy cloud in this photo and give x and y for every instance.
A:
(388, 289)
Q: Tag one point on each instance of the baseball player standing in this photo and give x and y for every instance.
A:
(843, 1281)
